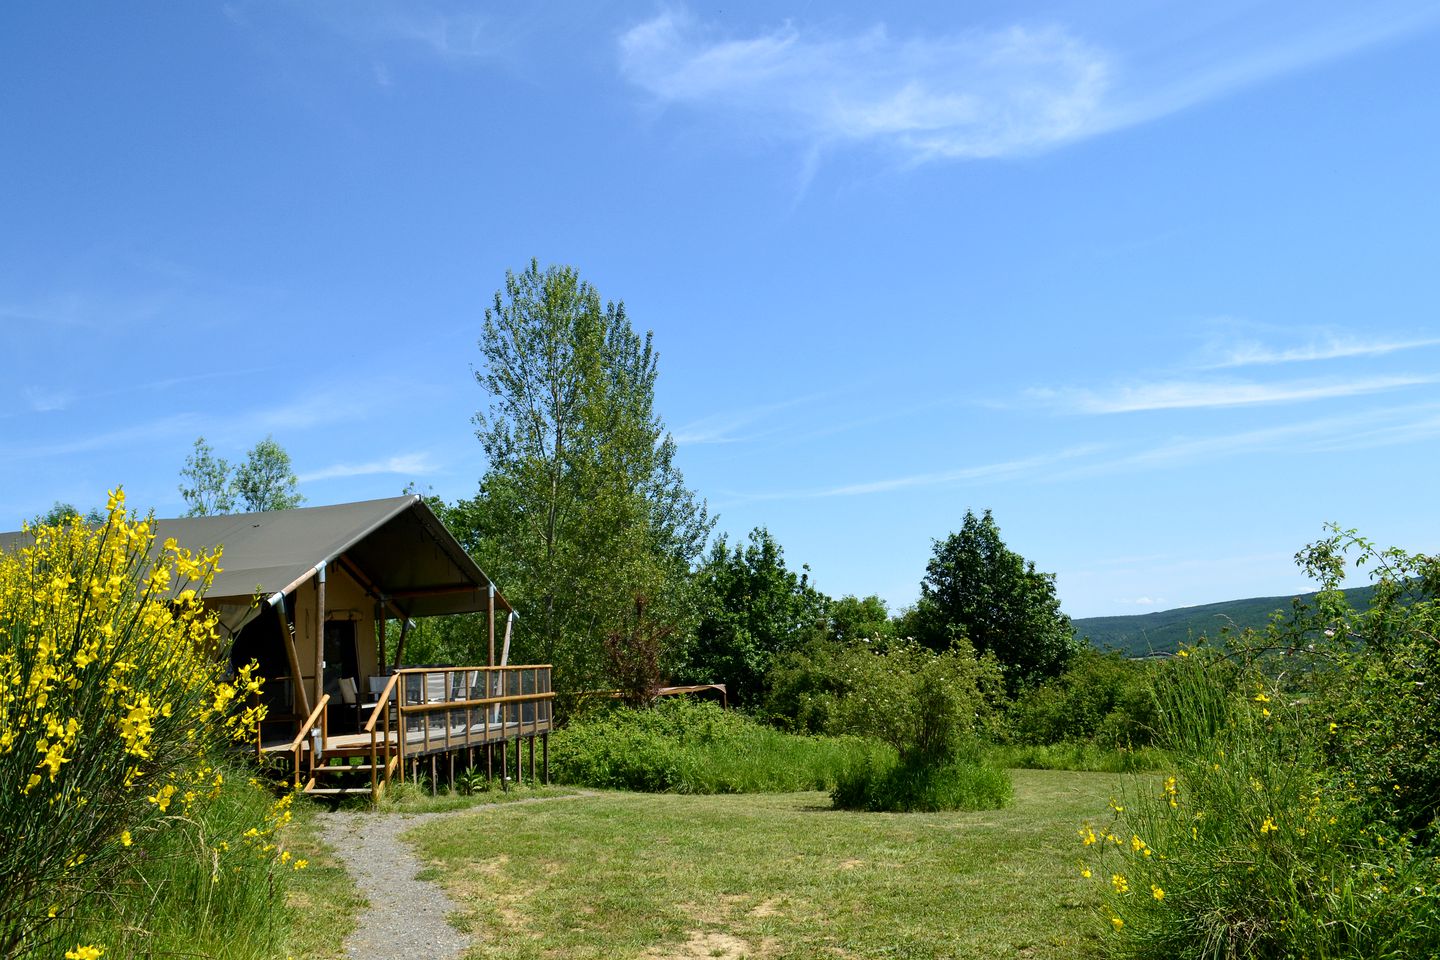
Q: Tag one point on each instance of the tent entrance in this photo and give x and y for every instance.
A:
(341, 662)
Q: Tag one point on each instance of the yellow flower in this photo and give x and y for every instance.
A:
(1087, 835)
(1120, 884)
(1156, 892)
(301, 864)
(1261, 697)
(84, 953)
(1268, 826)
(1117, 923)
(1182, 652)
(1085, 872)
(1334, 727)
(125, 838)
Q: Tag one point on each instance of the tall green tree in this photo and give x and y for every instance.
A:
(752, 609)
(858, 619)
(976, 587)
(265, 481)
(581, 510)
(206, 483)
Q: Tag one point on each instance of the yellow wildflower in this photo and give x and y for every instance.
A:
(1156, 892)
(1268, 826)
(1120, 884)
(84, 953)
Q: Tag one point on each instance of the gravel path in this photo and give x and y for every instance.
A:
(407, 916)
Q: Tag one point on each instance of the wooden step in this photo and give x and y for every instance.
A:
(345, 768)
(337, 791)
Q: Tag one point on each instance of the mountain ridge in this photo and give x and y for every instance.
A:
(1143, 634)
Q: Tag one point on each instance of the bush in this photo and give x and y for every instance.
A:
(1251, 847)
(899, 692)
(114, 715)
(921, 785)
(684, 747)
(1103, 699)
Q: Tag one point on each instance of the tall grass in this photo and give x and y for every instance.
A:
(192, 888)
(684, 747)
(1249, 847)
(1092, 757)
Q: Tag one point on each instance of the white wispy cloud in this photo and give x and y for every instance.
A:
(1016, 469)
(407, 464)
(1330, 347)
(1386, 426)
(1257, 48)
(1004, 470)
(47, 399)
(1194, 394)
(1141, 601)
(139, 436)
(735, 426)
(979, 93)
(973, 94)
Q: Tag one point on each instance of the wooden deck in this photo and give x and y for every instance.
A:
(445, 718)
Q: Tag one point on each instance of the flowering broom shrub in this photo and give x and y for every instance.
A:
(115, 711)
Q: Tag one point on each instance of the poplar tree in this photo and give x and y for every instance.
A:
(581, 511)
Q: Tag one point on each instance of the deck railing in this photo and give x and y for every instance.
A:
(455, 708)
(319, 738)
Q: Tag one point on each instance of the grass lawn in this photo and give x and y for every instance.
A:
(773, 876)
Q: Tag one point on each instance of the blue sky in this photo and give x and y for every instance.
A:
(1155, 282)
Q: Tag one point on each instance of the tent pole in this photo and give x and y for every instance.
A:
(380, 630)
(400, 646)
(490, 619)
(319, 632)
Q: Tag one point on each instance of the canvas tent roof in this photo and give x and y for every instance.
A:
(397, 544)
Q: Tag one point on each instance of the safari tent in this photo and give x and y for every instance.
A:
(310, 595)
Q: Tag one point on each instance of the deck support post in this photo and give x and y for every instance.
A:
(504, 765)
(489, 761)
(545, 753)
(532, 759)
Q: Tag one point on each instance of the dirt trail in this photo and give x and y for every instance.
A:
(407, 917)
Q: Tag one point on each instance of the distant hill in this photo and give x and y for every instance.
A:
(1144, 633)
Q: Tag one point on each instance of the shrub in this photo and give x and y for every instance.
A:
(921, 785)
(1100, 698)
(114, 714)
(877, 691)
(686, 747)
(1251, 847)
